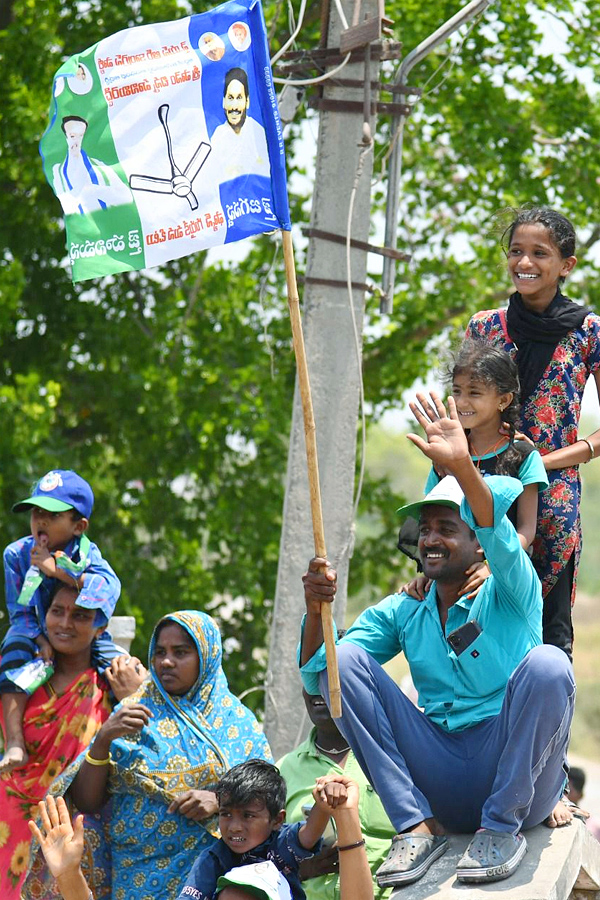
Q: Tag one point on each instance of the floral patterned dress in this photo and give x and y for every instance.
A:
(57, 728)
(550, 417)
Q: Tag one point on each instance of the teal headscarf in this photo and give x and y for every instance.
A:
(208, 726)
(189, 742)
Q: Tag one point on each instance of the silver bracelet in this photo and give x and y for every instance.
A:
(592, 451)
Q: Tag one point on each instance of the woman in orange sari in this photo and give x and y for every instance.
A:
(61, 718)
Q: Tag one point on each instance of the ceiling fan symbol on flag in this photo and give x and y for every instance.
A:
(180, 183)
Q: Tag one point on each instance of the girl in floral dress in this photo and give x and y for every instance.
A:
(556, 344)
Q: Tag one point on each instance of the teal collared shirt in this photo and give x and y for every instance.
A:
(456, 692)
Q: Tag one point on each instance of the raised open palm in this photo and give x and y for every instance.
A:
(62, 845)
(446, 440)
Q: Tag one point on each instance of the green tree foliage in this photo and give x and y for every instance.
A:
(171, 389)
(163, 388)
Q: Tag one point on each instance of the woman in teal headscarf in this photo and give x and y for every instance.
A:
(158, 758)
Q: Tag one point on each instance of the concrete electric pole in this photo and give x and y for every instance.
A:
(333, 360)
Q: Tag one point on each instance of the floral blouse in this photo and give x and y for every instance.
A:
(550, 417)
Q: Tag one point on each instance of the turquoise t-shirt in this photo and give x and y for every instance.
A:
(531, 470)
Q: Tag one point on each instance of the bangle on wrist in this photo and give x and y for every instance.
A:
(97, 762)
(592, 451)
(360, 843)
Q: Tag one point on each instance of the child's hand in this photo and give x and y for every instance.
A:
(125, 674)
(46, 650)
(417, 588)
(334, 792)
(519, 436)
(476, 576)
(43, 559)
(62, 845)
(446, 443)
(324, 863)
(195, 805)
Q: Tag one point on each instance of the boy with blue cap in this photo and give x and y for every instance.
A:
(57, 550)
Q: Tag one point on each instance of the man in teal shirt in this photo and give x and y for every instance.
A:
(487, 750)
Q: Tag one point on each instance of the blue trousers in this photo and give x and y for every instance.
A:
(17, 649)
(505, 773)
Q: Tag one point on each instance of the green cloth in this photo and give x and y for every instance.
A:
(34, 577)
(300, 768)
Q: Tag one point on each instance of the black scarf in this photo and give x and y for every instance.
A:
(536, 335)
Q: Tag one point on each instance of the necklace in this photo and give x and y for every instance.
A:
(331, 749)
(495, 446)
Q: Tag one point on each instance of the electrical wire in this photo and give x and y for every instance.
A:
(324, 77)
(452, 58)
(293, 36)
(348, 547)
(250, 690)
(343, 20)
(304, 81)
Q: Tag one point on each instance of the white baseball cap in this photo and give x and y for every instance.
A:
(447, 492)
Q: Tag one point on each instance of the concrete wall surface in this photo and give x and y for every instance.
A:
(122, 629)
(560, 864)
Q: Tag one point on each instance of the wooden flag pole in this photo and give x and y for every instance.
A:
(310, 435)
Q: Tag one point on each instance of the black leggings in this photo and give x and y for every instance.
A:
(556, 621)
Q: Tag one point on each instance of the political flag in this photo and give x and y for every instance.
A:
(166, 139)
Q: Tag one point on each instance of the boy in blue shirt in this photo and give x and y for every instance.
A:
(57, 550)
(251, 813)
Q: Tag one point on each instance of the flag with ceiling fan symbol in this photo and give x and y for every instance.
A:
(166, 139)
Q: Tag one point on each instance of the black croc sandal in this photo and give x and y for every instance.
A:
(409, 858)
(491, 856)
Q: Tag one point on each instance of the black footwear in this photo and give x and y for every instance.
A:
(491, 856)
(409, 858)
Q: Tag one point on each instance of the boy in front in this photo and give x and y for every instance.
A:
(251, 813)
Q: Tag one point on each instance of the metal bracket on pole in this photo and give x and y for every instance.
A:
(361, 34)
(303, 61)
(419, 53)
(375, 86)
(354, 106)
(332, 282)
(360, 245)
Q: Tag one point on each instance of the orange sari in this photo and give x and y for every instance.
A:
(57, 728)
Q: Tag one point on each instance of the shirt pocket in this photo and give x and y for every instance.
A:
(483, 668)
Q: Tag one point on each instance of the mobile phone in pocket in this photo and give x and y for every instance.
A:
(463, 637)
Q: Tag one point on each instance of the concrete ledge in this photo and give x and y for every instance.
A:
(122, 629)
(560, 864)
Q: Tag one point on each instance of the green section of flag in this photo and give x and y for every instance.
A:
(103, 227)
